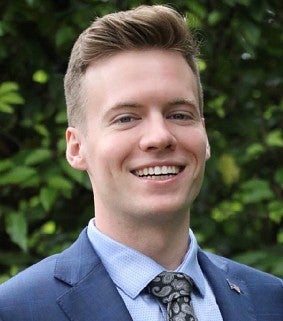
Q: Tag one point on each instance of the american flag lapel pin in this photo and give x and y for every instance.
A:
(234, 287)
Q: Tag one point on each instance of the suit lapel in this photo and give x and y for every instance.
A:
(231, 294)
(91, 294)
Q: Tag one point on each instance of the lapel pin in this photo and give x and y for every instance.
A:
(234, 287)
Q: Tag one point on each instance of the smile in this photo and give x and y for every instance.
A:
(158, 172)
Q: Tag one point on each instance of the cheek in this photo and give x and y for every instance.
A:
(110, 154)
(196, 143)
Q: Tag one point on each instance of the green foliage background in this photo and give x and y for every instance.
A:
(45, 203)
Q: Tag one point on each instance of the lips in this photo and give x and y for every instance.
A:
(158, 171)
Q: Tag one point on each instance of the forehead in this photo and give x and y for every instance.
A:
(140, 75)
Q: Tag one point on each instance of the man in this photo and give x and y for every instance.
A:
(134, 103)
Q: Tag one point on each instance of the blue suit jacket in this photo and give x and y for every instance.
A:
(74, 286)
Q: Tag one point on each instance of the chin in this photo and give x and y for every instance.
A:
(165, 212)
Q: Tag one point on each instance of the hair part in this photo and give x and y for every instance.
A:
(145, 27)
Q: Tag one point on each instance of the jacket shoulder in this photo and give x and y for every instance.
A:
(23, 284)
(32, 294)
(257, 281)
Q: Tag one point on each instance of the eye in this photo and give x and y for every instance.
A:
(180, 116)
(125, 119)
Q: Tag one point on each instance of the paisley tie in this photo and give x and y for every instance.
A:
(173, 289)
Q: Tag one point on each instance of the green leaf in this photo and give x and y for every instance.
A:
(255, 150)
(12, 98)
(201, 65)
(64, 35)
(5, 108)
(5, 165)
(80, 177)
(256, 190)
(42, 130)
(59, 183)
(193, 21)
(217, 104)
(215, 17)
(40, 76)
(9, 96)
(228, 168)
(61, 117)
(226, 210)
(270, 111)
(38, 156)
(8, 86)
(275, 209)
(17, 175)
(275, 138)
(48, 228)
(16, 227)
(48, 197)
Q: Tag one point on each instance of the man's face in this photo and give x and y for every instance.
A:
(145, 145)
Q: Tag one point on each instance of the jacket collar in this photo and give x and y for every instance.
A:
(80, 268)
(231, 293)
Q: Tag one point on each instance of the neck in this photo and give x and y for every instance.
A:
(166, 243)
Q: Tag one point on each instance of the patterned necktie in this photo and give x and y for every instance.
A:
(173, 290)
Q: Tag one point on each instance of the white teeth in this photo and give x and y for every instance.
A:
(158, 170)
(164, 169)
(151, 171)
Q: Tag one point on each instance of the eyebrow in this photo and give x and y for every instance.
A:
(124, 104)
(131, 104)
(176, 101)
(120, 105)
(185, 101)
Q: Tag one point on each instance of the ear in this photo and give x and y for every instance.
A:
(74, 149)
(207, 151)
(207, 154)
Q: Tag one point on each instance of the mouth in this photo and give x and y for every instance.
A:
(158, 172)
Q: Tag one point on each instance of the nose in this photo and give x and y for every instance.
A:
(157, 135)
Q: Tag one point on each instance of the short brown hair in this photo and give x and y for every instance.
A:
(144, 27)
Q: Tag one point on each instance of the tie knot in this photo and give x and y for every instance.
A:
(169, 286)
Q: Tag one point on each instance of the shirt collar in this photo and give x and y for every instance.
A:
(124, 264)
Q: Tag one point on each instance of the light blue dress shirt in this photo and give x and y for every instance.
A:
(131, 271)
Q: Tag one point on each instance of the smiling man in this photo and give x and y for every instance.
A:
(144, 146)
(135, 112)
